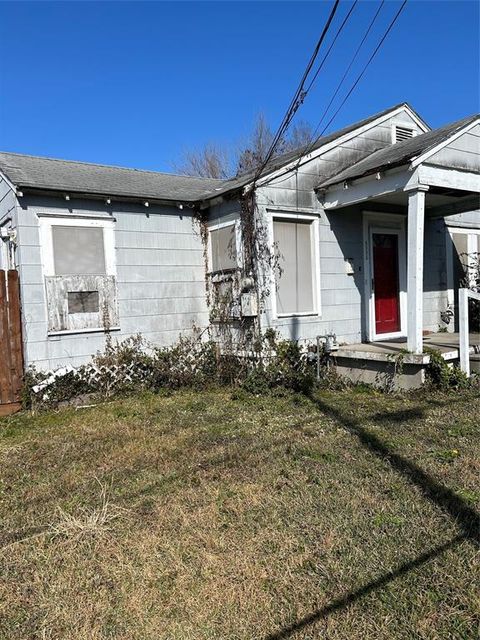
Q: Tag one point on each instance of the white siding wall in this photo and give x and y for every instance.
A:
(160, 274)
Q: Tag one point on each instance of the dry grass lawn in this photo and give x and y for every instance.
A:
(220, 515)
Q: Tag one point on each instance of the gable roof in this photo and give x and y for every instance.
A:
(83, 177)
(399, 153)
(285, 159)
(50, 174)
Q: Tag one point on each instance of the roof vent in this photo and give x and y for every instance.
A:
(402, 133)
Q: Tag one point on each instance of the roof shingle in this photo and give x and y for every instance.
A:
(397, 154)
(96, 179)
(83, 177)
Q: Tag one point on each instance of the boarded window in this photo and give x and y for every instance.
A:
(293, 241)
(78, 250)
(224, 250)
(83, 302)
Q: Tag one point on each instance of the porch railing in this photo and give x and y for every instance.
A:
(463, 296)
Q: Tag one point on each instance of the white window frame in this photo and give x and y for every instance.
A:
(238, 244)
(45, 223)
(315, 246)
(471, 233)
(46, 240)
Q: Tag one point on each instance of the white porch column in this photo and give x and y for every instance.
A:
(415, 244)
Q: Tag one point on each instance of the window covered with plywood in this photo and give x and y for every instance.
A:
(80, 277)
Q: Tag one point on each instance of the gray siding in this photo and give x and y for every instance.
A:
(160, 275)
(342, 300)
(468, 219)
(8, 216)
(435, 299)
(462, 153)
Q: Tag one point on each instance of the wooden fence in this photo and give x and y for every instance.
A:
(11, 355)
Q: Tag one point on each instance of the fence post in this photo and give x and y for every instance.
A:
(463, 329)
(6, 387)
(15, 326)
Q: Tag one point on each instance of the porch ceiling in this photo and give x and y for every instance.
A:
(444, 162)
(449, 190)
(436, 197)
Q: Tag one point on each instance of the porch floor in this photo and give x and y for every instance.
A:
(446, 343)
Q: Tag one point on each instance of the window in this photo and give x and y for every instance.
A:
(78, 250)
(78, 258)
(296, 279)
(223, 248)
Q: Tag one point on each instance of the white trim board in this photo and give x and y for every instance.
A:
(339, 141)
(238, 244)
(427, 154)
(315, 248)
(45, 224)
(384, 223)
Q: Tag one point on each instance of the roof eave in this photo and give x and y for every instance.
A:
(96, 195)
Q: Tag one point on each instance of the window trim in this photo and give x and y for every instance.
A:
(315, 247)
(216, 227)
(45, 224)
(46, 240)
(450, 231)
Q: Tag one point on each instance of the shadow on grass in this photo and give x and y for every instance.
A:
(353, 596)
(464, 516)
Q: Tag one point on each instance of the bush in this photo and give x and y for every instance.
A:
(132, 364)
(442, 376)
(284, 365)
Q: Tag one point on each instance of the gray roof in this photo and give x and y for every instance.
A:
(398, 154)
(82, 177)
(284, 159)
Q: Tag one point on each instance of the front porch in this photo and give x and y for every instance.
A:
(400, 190)
(389, 362)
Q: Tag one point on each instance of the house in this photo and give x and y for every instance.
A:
(360, 235)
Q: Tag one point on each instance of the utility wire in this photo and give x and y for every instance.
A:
(298, 96)
(311, 146)
(362, 73)
(339, 31)
(355, 55)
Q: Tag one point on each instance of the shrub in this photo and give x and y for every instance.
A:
(443, 376)
(270, 362)
(282, 364)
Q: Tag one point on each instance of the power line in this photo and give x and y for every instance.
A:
(299, 94)
(362, 73)
(339, 31)
(310, 147)
(370, 26)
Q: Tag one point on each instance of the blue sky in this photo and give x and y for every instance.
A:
(138, 83)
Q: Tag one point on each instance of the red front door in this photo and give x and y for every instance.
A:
(385, 282)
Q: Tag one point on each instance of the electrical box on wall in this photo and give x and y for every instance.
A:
(249, 304)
